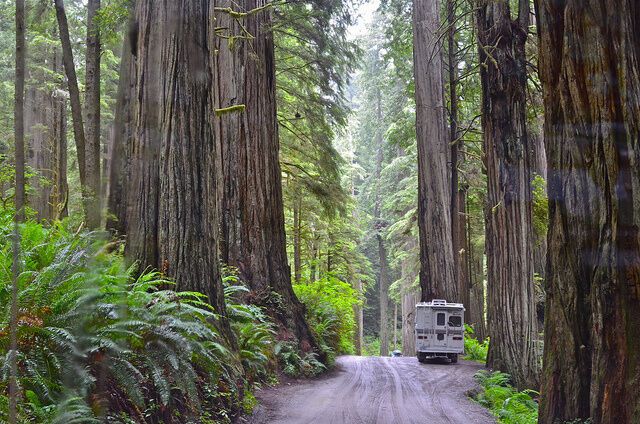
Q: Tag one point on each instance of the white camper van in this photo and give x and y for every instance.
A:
(439, 330)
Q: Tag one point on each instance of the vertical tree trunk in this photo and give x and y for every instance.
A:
(76, 107)
(297, 239)
(476, 313)
(395, 325)
(359, 318)
(463, 275)
(172, 212)
(92, 115)
(252, 220)
(383, 273)
(18, 122)
(40, 145)
(120, 143)
(590, 67)
(508, 226)
(60, 195)
(437, 278)
(452, 67)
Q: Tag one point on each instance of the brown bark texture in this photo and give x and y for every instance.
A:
(511, 313)
(120, 143)
(172, 204)
(590, 71)
(92, 115)
(252, 216)
(437, 273)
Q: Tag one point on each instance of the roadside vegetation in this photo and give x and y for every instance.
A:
(508, 404)
(99, 343)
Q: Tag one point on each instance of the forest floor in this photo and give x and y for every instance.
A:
(369, 390)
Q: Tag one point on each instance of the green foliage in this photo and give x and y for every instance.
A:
(295, 365)
(97, 341)
(540, 207)
(505, 402)
(329, 304)
(474, 349)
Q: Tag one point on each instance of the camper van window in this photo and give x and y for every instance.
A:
(455, 321)
(440, 319)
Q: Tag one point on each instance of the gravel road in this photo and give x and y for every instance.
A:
(370, 390)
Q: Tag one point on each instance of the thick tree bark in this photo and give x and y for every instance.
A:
(120, 149)
(409, 299)
(508, 225)
(92, 115)
(252, 220)
(76, 107)
(437, 274)
(590, 72)
(463, 274)
(172, 212)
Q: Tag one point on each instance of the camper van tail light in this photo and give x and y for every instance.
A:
(457, 338)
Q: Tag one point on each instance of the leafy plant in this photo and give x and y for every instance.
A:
(97, 341)
(504, 401)
(329, 303)
(475, 350)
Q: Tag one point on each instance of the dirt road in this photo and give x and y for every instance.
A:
(370, 390)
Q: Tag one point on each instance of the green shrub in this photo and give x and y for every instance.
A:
(98, 343)
(294, 365)
(505, 402)
(329, 304)
(473, 348)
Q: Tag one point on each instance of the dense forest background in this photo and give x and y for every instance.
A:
(198, 195)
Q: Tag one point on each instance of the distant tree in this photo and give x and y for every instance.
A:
(590, 73)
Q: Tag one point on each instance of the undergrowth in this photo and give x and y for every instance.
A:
(98, 343)
(474, 349)
(504, 401)
(329, 306)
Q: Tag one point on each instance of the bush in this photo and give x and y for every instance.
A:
(505, 402)
(98, 343)
(473, 348)
(329, 304)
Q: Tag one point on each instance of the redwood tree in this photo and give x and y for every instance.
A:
(437, 274)
(590, 71)
(508, 222)
(172, 203)
(252, 214)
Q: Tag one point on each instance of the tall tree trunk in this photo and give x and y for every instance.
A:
(92, 115)
(463, 275)
(40, 154)
(383, 273)
(172, 211)
(60, 195)
(120, 142)
(590, 72)
(18, 123)
(508, 226)
(76, 107)
(452, 67)
(476, 314)
(437, 274)
(252, 220)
